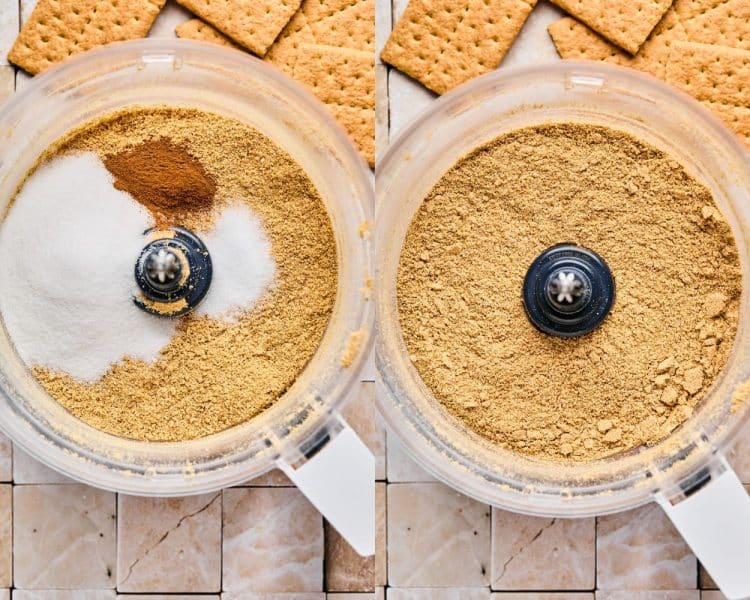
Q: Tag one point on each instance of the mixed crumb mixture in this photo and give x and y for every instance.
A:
(188, 167)
(641, 373)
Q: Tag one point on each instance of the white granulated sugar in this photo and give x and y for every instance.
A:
(67, 252)
(243, 266)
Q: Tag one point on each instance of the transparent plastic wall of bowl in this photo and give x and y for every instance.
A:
(303, 433)
(686, 473)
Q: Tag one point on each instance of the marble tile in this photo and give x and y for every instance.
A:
(381, 110)
(649, 595)
(542, 596)
(6, 447)
(26, 7)
(273, 478)
(361, 414)
(369, 370)
(169, 544)
(383, 26)
(641, 550)
(739, 455)
(400, 465)
(712, 595)
(273, 596)
(533, 44)
(705, 582)
(407, 99)
(273, 541)
(7, 82)
(6, 536)
(168, 596)
(381, 548)
(351, 596)
(57, 529)
(169, 17)
(436, 537)
(9, 25)
(29, 470)
(456, 593)
(346, 571)
(532, 553)
(22, 79)
(64, 595)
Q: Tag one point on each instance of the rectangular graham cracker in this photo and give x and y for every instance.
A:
(717, 76)
(254, 24)
(195, 29)
(626, 23)
(723, 22)
(343, 23)
(57, 29)
(343, 79)
(574, 40)
(443, 43)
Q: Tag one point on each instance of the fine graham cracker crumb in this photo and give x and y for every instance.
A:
(637, 376)
(215, 374)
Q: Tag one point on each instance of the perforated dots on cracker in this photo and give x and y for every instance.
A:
(57, 29)
(717, 76)
(254, 24)
(576, 41)
(343, 79)
(342, 23)
(724, 22)
(443, 43)
(195, 29)
(626, 23)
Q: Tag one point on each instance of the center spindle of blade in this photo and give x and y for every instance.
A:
(163, 269)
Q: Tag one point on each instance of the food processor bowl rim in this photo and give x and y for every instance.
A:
(428, 452)
(117, 57)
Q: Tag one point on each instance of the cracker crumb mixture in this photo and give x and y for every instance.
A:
(642, 372)
(215, 374)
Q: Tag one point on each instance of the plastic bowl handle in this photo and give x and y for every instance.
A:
(338, 478)
(712, 513)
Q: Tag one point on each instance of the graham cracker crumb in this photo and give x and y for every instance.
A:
(636, 377)
(214, 374)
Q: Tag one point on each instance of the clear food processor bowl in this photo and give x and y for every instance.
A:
(471, 116)
(305, 422)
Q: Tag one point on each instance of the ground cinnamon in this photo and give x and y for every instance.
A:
(165, 177)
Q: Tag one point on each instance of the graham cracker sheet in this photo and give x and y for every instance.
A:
(723, 22)
(343, 79)
(443, 43)
(195, 29)
(253, 24)
(717, 76)
(344, 23)
(57, 29)
(626, 23)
